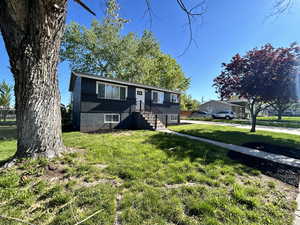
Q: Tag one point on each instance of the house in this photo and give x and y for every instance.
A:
(215, 106)
(243, 111)
(104, 103)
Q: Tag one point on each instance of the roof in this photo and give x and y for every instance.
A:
(116, 81)
(222, 102)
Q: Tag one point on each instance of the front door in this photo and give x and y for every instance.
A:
(140, 99)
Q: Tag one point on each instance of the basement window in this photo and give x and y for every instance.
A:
(111, 118)
(173, 117)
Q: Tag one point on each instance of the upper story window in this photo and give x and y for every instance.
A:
(111, 91)
(174, 98)
(157, 97)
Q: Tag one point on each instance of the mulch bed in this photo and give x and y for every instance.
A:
(286, 174)
(276, 149)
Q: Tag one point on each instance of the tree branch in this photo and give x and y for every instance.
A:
(194, 11)
(85, 6)
(89, 217)
(281, 6)
(191, 13)
(16, 219)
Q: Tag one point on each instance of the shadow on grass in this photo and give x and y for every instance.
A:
(8, 123)
(182, 148)
(240, 137)
(8, 132)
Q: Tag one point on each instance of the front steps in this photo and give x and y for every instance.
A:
(149, 117)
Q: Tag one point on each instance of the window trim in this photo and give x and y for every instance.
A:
(116, 85)
(171, 99)
(153, 91)
(112, 114)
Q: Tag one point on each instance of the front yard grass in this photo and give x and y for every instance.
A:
(286, 122)
(262, 121)
(238, 136)
(141, 177)
(284, 118)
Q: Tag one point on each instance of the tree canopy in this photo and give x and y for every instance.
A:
(103, 50)
(262, 76)
(187, 103)
(5, 94)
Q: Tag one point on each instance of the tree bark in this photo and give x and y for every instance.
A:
(253, 123)
(279, 115)
(32, 31)
(253, 115)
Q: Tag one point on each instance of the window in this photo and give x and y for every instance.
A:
(111, 91)
(174, 98)
(111, 118)
(173, 117)
(157, 97)
(139, 93)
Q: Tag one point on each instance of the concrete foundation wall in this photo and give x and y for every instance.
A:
(93, 122)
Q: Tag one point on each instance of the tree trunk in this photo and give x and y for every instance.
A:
(279, 115)
(5, 114)
(253, 117)
(32, 31)
(253, 123)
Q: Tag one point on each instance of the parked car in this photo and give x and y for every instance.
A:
(200, 114)
(228, 115)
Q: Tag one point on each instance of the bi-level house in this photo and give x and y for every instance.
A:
(104, 103)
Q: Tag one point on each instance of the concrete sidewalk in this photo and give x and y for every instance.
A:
(244, 150)
(285, 130)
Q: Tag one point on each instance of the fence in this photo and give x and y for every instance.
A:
(7, 115)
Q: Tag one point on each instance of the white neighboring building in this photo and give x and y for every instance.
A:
(215, 106)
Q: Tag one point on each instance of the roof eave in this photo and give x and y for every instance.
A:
(122, 82)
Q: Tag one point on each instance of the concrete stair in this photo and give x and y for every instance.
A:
(150, 119)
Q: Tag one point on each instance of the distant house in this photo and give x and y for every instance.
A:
(243, 112)
(215, 106)
(103, 103)
(293, 110)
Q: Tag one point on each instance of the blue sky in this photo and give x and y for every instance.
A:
(228, 27)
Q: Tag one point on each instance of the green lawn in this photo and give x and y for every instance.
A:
(284, 118)
(144, 177)
(238, 136)
(288, 122)
(7, 142)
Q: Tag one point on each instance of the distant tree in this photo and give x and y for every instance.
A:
(103, 50)
(187, 103)
(250, 77)
(5, 98)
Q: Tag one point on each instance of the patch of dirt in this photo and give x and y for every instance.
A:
(276, 149)
(75, 150)
(122, 133)
(100, 166)
(173, 186)
(284, 173)
(54, 172)
(102, 181)
(118, 209)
